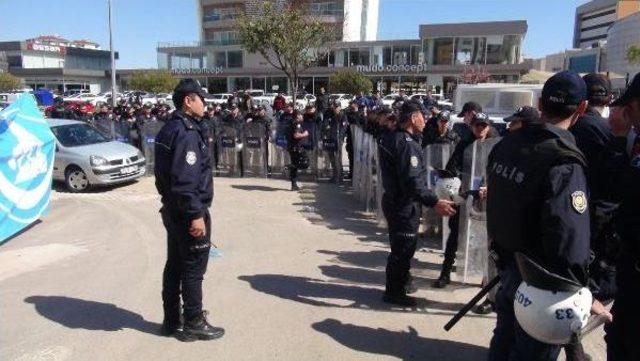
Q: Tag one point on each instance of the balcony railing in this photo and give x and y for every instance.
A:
(219, 17)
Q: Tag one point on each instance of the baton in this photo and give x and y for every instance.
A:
(463, 311)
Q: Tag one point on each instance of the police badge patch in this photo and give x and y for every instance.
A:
(579, 201)
(414, 161)
(191, 158)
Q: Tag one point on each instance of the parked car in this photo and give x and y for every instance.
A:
(86, 158)
(220, 99)
(80, 98)
(388, 100)
(164, 97)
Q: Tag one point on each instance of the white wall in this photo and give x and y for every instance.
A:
(352, 20)
(372, 20)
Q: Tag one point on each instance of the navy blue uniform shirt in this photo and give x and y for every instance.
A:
(183, 171)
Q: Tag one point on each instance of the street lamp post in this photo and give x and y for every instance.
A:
(113, 60)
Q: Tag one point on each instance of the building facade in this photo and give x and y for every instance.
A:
(440, 56)
(58, 64)
(594, 18)
(623, 35)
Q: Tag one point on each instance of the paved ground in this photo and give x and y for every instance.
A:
(300, 278)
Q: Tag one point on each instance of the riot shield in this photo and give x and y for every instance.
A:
(278, 155)
(329, 151)
(473, 248)
(228, 162)
(149, 131)
(254, 154)
(436, 157)
(122, 131)
(379, 190)
(105, 126)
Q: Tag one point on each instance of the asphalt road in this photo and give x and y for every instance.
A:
(299, 276)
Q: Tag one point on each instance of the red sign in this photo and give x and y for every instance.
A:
(47, 48)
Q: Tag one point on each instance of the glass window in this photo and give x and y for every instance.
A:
(511, 48)
(163, 61)
(217, 85)
(221, 14)
(386, 54)
(427, 45)
(416, 55)
(277, 85)
(359, 56)
(220, 59)
(258, 83)
(443, 51)
(333, 8)
(401, 55)
(240, 83)
(234, 59)
(495, 50)
(583, 64)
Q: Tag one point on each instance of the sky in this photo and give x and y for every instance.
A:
(139, 25)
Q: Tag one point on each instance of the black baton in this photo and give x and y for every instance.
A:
(463, 311)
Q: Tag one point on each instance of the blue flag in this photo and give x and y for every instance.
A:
(27, 149)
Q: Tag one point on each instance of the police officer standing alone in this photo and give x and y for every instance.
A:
(537, 205)
(404, 179)
(185, 183)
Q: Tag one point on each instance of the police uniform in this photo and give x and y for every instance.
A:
(537, 205)
(297, 153)
(185, 183)
(622, 338)
(404, 179)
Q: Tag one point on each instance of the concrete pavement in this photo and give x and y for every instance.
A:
(300, 278)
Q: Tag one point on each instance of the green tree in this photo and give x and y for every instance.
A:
(349, 81)
(633, 54)
(287, 38)
(9, 82)
(159, 81)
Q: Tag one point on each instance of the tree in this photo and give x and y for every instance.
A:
(157, 81)
(474, 75)
(285, 37)
(633, 54)
(349, 81)
(9, 82)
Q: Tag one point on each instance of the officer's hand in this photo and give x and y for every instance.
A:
(598, 308)
(444, 208)
(197, 228)
(619, 121)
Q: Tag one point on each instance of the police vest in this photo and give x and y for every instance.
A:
(517, 172)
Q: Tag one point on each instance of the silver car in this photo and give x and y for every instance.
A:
(85, 157)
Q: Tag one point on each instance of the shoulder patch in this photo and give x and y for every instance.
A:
(414, 161)
(191, 158)
(579, 201)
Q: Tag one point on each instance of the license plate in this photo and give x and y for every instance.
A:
(129, 170)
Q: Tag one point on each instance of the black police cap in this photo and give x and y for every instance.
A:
(632, 92)
(564, 88)
(185, 87)
(481, 118)
(444, 116)
(598, 85)
(526, 114)
(407, 108)
(468, 107)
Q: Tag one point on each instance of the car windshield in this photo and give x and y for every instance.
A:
(75, 135)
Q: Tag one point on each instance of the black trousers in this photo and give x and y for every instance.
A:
(452, 241)
(403, 239)
(623, 341)
(187, 259)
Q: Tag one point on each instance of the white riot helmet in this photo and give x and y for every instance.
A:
(548, 307)
(449, 188)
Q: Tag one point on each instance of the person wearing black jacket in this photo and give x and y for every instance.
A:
(322, 103)
(437, 131)
(354, 117)
(404, 179)
(299, 159)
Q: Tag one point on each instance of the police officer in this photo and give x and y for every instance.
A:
(595, 139)
(404, 179)
(480, 126)
(537, 205)
(296, 137)
(469, 109)
(437, 130)
(184, 181)
(622, 338)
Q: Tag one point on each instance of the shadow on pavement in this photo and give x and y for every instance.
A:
(406, 345)
(257, 188)
(90, 315)
(321, 293)
(374, 259)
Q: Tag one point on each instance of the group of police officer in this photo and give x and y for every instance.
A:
(562, 188)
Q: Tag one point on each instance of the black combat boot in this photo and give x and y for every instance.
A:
(399, 299)
(445, 275)
(294, 186)
(199, 329)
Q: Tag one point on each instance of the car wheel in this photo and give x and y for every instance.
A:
(75, 179)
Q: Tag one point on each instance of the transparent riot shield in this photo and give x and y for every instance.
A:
(329, 151)
(371, 178)
(122, 131)
(254, 153)
(379, 189)
(279, 158)
(228, 158)
(310, 146)
(149, 131)
(357, 180)
(105, 126)
(473, 248)
(436, 157)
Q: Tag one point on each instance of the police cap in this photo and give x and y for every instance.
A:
(409, 107)
(184, 88)
(633, 91)
(598, 85)
(526, 114)
(480, 118)
(564, 88)
(470, 107)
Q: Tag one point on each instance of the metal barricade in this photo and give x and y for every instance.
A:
(472, 255)
(254, 152)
